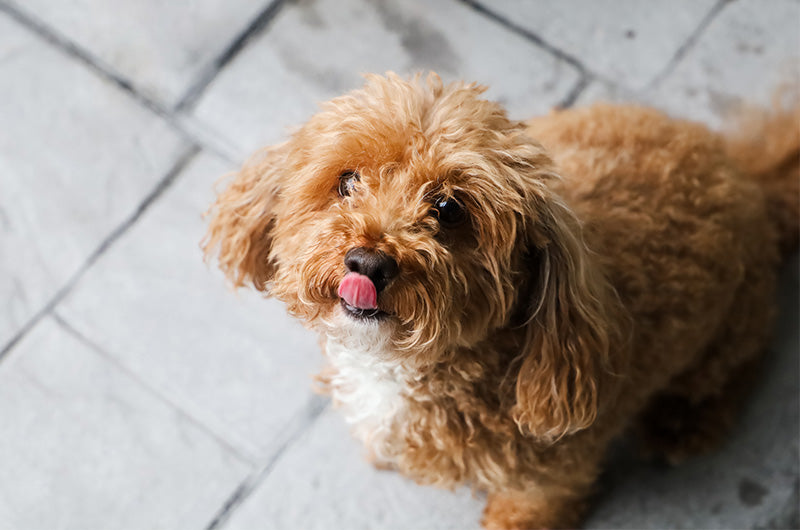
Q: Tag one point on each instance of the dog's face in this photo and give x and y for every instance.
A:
(407, 211)
(434, 184)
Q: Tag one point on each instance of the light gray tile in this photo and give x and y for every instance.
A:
(83, 445)
(76, 158)
(323, 482)
(747, 56)
(747, 53)
(627, 41)
(161, 47)
(317, 50)
(234, 360)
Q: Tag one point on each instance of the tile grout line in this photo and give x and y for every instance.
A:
(73, 50)
(684, 48)
(575, 92)
(241, 453)
(313, 410)
(209, 73)
(530, 36)
(109, 240)
(94, 64)
(585, 75)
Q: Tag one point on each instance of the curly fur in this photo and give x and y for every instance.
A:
(615, 262)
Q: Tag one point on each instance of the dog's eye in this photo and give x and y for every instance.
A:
(347, 183)
(450, 211)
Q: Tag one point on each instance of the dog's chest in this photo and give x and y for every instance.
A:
(370, 392)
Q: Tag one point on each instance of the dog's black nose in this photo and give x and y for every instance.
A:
(374, 264)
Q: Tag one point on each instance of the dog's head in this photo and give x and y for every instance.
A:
(420, 215)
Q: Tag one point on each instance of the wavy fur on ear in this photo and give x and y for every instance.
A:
(569, 334)
(242, 218)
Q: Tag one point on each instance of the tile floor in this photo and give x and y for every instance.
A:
(138, 391)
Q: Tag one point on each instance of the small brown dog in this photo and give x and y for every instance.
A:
(498, 300)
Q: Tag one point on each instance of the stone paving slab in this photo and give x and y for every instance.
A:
(747, 55)
(235, 361)
(76, 158)
(324, 482)
(162, 48)
(86, 446)
(627, 42)
(314, 51)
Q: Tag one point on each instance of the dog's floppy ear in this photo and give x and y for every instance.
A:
(568, 331)
(242, 218)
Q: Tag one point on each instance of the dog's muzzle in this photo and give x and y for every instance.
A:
(370, 271)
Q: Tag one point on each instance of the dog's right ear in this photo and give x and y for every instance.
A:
(242, 219)
(568, 363)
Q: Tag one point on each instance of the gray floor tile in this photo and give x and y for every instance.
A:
(314, 51)
(323, 482)
(748, 54)
(161, 47)
(92, 448)
(626, 41)
(234, 360)
(76, 158)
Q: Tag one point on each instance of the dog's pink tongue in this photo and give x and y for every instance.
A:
(358, 291)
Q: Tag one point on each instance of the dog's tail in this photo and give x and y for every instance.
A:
(766, 146)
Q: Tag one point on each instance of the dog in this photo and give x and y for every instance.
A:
(497, 301)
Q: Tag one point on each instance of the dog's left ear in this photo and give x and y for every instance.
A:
(569, 328)
(243, 217)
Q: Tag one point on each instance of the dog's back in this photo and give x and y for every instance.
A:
(765, 144)
(688, 225)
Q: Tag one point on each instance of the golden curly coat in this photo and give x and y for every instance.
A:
(615, 268)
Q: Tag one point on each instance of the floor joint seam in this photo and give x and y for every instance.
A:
(313, 410)
(164, 183)
(255, 27)
(575, 92)
(687, 45)
(246, 456)
(99, 68)
(82, 55)
(528, 35)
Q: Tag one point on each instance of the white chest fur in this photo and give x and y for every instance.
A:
(370, 391)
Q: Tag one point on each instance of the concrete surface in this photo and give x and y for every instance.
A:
(137, 391)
